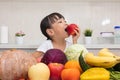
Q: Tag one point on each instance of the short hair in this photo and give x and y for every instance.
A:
(47, 21)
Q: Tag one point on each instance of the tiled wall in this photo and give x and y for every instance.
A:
(26, 16)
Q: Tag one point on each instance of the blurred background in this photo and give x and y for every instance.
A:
(25, 15)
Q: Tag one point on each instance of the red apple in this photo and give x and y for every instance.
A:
(55, 70)
(70, 29)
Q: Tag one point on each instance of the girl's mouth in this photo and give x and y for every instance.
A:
(66, 29)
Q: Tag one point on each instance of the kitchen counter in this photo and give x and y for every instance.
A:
(34, 46)
(26, 47)
(18, 46)
(91, 47)
(97, 46)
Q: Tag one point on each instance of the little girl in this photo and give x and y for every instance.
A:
(53, 28)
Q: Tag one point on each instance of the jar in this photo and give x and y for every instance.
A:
(117, 34)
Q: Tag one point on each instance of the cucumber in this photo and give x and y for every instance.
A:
(82, 62)
(117, 67)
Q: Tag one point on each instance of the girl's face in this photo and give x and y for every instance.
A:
(59, 28)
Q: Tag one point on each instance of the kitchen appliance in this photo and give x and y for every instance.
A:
(106, 38)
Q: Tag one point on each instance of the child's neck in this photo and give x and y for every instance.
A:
(59, 44)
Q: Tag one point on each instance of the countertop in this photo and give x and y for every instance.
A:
(18, 46)
(34, 46)
(112, 46)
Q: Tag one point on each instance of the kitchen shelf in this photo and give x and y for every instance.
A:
(34, 46)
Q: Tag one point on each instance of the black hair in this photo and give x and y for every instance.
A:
(47, 21)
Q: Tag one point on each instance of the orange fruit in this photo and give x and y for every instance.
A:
(73, 64)
(70, 74)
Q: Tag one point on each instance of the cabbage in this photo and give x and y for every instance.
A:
(73, 51)
(54, 56)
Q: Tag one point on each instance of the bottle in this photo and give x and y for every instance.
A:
(117, 34)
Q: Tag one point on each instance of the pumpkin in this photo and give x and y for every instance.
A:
(70, 74)
(14, 64)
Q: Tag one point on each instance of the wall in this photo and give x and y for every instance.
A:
(26, 16)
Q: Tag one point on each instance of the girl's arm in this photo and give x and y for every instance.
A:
(38, 54)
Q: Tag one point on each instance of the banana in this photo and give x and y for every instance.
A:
(101, 61)
(106, 52)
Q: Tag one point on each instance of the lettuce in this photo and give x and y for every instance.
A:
(73, 51)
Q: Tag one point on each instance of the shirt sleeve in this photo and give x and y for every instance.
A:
(45, 46)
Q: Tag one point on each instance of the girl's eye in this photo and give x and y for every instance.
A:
(60, 22)
(65, 21)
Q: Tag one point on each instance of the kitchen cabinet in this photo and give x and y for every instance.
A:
(115, 48)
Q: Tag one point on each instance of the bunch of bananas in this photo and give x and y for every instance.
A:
(104, 59)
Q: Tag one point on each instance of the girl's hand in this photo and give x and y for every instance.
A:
(76, 36)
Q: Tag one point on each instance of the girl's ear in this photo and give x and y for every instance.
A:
(50, 32)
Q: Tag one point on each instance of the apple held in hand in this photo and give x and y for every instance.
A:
(71, 29)
(55, 70)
